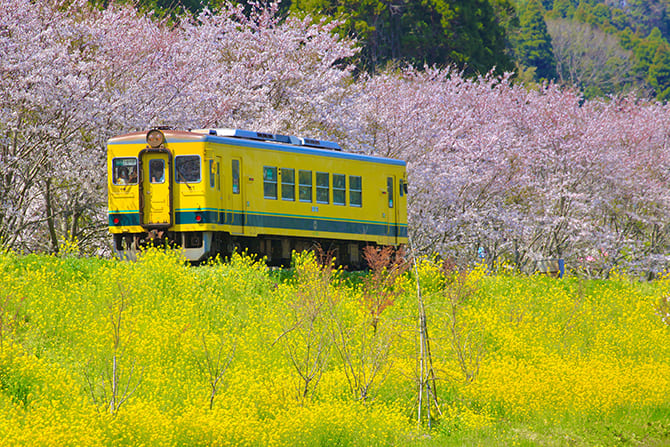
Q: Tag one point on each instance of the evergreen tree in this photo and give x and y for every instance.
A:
(645, 49)
(508, 19)
(648, 14)
(433, 32)
(480, 41)
(533, 43)
(374, 23)
(645, 52)
(163, 6)
(659, 72)
(563, 9)
(425, 36)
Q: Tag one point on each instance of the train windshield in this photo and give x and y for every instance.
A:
(124, 171)
(187, 168)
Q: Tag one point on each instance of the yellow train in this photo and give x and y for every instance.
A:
(217, 190)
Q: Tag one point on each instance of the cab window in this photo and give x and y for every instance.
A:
(187, 168)
(124, 171)
(157, 171)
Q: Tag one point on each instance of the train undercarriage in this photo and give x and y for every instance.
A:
(199, 246)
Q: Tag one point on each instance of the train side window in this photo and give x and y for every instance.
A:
(218, 177)
(401, 187)
(389, 190)
(187, 168)
(124, 171)
(270, 182)
(287, 184)
(305, 185)
(236, 176)
(157, 171)
(355, 190)
(212, 174)
(322, 187)
(339, 189)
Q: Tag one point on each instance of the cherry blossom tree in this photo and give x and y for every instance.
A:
(62, 83)
(496, 170)
(500, 171)
(39, 83)
(74, 75)
(265, 74)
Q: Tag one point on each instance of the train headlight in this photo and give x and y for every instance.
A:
(155, 138)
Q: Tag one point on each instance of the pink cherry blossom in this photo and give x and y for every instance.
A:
(496, 170)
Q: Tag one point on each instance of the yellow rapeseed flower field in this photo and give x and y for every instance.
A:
(156, 352)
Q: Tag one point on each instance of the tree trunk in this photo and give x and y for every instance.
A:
(50, 217)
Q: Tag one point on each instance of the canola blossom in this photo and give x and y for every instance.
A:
(156, 352)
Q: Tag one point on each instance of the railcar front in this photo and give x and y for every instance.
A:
(156, 192)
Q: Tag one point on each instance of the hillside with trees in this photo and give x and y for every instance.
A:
(601, 47)
(610, 47)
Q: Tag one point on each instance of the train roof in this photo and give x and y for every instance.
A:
(257, 140)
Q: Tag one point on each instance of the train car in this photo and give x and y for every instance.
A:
(213, 191)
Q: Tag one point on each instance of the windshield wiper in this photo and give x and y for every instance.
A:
(183, 179)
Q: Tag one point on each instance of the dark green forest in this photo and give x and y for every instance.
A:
(602, 47)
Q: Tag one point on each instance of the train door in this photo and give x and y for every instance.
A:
(220, 213)
(236, 211)
(155, 188)
(392, 211)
